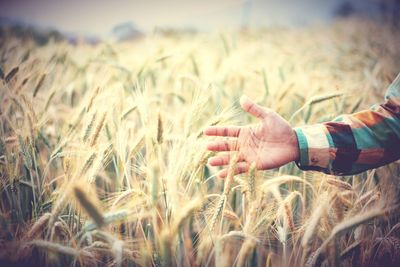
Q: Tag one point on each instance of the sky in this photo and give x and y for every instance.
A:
(99, 16)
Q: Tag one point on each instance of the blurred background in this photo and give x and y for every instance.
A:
(123, 19)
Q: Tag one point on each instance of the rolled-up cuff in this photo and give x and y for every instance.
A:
(314, 146)
(303, 147)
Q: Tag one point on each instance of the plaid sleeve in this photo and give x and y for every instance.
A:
(354, 143)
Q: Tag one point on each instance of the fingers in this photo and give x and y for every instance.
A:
(223, 145)
(222, 160)
(241, 167)
(231, 131)
(252, 108)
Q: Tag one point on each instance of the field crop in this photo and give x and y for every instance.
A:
(103, 160)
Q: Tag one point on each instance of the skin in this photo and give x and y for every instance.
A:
(270, 143)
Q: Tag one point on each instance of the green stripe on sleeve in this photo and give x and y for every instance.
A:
(303, 147)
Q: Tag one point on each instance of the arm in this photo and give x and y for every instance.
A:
(347, 145)
(354, 143)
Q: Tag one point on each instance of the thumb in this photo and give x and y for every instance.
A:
(252, 108)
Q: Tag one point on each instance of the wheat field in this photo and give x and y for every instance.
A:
(103, 160)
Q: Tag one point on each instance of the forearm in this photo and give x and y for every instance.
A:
(354, 143)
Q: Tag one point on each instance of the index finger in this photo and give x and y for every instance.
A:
(230, 131)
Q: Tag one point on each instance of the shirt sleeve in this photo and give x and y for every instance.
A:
(354, 143)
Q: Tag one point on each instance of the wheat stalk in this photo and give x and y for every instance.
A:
(339, 184)
(159, 129)
(89, 127)
(227, 187)
(38, 227)
(95, 93)
(347, 225)
(96, 133)
(10, 75)
(39, 84)
(89, 206)
(312, 227)
(88, 163)
(252, 181)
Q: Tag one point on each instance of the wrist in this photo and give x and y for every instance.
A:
(295, 146)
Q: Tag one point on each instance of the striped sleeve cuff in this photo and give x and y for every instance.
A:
(314, 146)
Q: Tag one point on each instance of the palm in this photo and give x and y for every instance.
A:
(270, 143)
(266, 143)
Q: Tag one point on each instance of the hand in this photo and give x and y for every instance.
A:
(270, 143)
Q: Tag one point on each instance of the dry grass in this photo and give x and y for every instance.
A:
(103, 161)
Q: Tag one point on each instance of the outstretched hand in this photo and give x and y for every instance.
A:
(270, 143)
